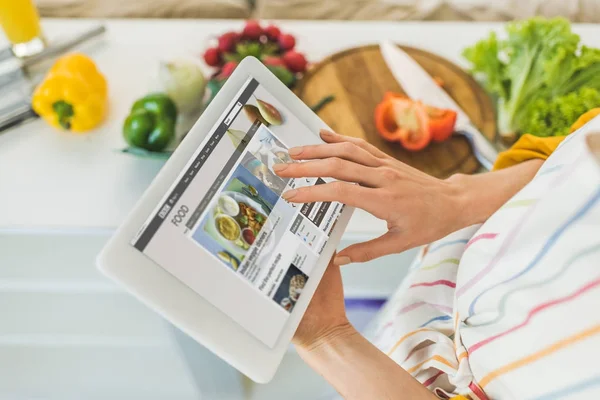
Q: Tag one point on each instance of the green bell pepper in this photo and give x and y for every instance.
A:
(151, 122)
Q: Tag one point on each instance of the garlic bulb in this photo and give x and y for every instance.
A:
(184, 82)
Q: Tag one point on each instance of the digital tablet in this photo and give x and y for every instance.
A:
(212, 246)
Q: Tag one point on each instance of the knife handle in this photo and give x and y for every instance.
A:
(15, 115)
(483, 150)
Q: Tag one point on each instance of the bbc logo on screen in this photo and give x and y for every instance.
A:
(164, 211)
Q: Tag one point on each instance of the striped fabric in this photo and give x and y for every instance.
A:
(510, 309)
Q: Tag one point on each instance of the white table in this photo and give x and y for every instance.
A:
(65, 331)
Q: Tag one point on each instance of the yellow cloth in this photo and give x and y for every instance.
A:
(459, 398)
(585, 118)
(530, 147)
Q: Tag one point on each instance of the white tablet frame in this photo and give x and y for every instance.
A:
(171, 298)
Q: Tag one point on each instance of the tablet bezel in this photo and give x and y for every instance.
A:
(170, 297)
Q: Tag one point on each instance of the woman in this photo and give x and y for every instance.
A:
(505, 306)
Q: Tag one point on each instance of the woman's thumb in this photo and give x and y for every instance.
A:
(369, 250)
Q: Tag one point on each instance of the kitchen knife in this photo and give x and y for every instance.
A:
(419, 85)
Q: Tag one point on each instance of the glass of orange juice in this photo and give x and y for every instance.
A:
(21, 24)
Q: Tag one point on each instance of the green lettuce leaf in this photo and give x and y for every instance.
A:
(540, 61)
(555, 117)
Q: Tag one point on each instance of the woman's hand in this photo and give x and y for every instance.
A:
(349, 362)
(325, 317)
(418, 208)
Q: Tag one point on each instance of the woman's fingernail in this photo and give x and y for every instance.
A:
(295, 151)
(325, 132)
(289, 194)
(279, 167)
(342, 260)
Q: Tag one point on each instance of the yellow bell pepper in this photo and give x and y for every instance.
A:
(73, 96)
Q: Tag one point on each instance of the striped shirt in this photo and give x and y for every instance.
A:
(510, 309)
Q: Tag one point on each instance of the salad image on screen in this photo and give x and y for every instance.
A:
(234, 220)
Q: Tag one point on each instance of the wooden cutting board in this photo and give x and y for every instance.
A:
(359, 78)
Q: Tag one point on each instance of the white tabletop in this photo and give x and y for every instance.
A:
(61, 181)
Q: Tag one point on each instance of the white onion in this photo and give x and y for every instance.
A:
(184, 82)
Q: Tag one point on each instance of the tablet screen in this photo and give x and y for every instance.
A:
(223, 228)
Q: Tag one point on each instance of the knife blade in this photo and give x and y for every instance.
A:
(419, 85)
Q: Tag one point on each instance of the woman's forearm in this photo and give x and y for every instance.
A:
(479, 196)
(358, 370)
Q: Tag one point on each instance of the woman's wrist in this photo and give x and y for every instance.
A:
(357, 369)
(477, 197)
(464, 196)
(326, 337)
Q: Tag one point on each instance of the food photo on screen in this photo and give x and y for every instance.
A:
(290, 288)
(234, 220)
(268, 149)
(262, 172)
